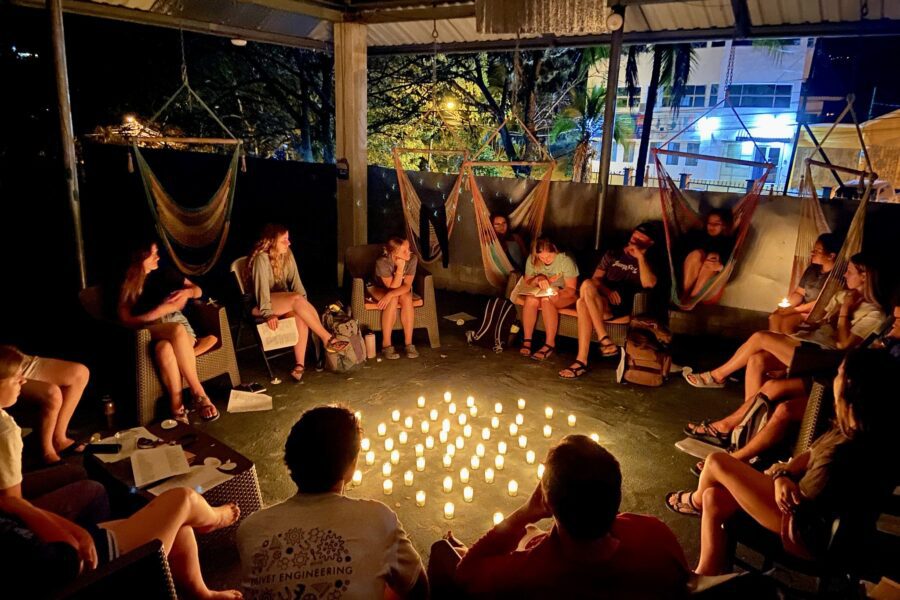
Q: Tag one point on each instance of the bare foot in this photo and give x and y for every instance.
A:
(51, 458)
(205, 343)
(227, 515)
(63, 444)
(221, 595)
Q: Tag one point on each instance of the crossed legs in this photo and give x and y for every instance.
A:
(57, 386)
(779, 346)
(292, 304)
(175, 358)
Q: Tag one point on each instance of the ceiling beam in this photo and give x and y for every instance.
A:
(742, 23)
(329, 11)
(440, 13)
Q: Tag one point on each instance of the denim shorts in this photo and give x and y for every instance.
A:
(178, 317)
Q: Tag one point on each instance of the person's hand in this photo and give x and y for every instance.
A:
(787, 494)
(536, 509)
(542, 282)
(87, 551)
(851, 302)
(180, 296)
(382, 304)
(778, 466)
(272, 322)
(714, 263)
(635, 251)
(615, 298)
(400, 263)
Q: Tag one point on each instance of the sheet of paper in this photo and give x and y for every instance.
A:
(460, 316)
(128, 438)
(162, 462)
(239, 402)
(283, 337)
(200, 478)
(697, 448)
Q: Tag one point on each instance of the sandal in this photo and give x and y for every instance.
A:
(610, 349)
(575, 372)
(545, 352)
(204, 405)
(698, 468)
(701, 380)
(675, 502)
(335, 345)
(709, 433)
(297, 372)
(525, 350)
(181, 415)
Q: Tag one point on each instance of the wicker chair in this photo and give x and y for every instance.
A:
(217, 361)
(568, 317)
(360, 263)
(143, 573)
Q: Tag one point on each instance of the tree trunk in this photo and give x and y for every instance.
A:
(326, 110)
(648, 117)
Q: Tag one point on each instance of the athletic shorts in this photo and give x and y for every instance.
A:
(30, 366)
(105, 542)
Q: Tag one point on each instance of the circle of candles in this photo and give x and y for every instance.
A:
(370, 457)
(489, 475)
(420, 401)
(408, 422)
(403, 437)
(447, 460)
(548, 412)
(464, 475)
(462, 418)
(485, 434)
(571, 420)
(447, 396)
(408, 478)
(498, 518)
(523, 441)
(420, 464)
(433, 414)
(475, 463)
(460, 442)
(429, 442)
(548, 431)
(479, 450)
(540, 470)
(451, 450)
(425, 427)
(395, 416)
(386, 469)
(473, 410)
(448, 484)
(357, 477)
(420, 450)
(595, 437)
(468, 493)
(470, 400)
(389, 444)
(452, 408)
(520, 419)
(501, 447)
(365, 444)
(512, 488)
(449, 510)
(513, 429)
(498, 462)
(395, 457)
(445, 425)
(529, 457)
(498, 408)
(420, 498)
(467, 431)
(388, 487)
(495, 423)
(382, 430)
(442, 435)
(521, 403)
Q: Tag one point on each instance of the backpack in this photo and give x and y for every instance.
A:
(497, 325)
(752, 421)
(645, 359)
(337, 321)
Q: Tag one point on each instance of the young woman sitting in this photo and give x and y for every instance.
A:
(391, 287)
(843, 474)
(154, 298)
(280, 293)
(787, 319)
(554, 276)
(707, 252)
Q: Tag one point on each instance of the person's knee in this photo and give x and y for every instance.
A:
(53, 398)
(588, 289)
(715, 503)
(716, 461)
(546, 303)
(757, 361)
(532, 302)
(183, 496)
(406, 300)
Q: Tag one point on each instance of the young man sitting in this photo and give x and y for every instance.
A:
(319, 542)
(592, 550)
(609, 295)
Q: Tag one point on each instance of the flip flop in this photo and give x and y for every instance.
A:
(297, 372)
(203, 402)
(546, 352)
(577, 372)
(711, 435)
(681, 507)
(181, 416)
(701, 380)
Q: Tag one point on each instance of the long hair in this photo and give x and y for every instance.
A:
(133, 284)
(266, 245)
(542, 245)
(871, 292)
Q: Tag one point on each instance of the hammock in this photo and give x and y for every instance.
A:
(528, 215)
(191, 227)
(812, 225)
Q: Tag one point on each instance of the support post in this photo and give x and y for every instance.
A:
(350, 107)
(609, 120)
(67, 134)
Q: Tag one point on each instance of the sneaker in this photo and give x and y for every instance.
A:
(411, 351)
(389, 353)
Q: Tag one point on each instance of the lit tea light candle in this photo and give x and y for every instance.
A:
(485, 434)
(451, 450)
(449, 510)
(447, 396)
(548, 412)
(785, 303)
(501, 447)
(529, 457)
(464, 475)
(408, 422)
(498, 462)
(448, 484)
(403, 437)
(495, 423)
(513, 429)
(468, 493)
(467, 431)
(445, 425)
(452, 408)
(462, 418)
(498, 408)
(429, 442)
(408, 478)
(425, 427)
(365, 444)
(386, 469)
(370, 458)
(489, 475)
(523, 441)
(540, 470)
(595, 437)
(470, 400)
(388, 487)
(447, 460)
(442, 435)
(433, 414)
(473, 410)
(420, 464)
(460, 442)
(420, 498)
(479, 450)
(420, 450)
(382, 430)
(548, 431)
(358, 415)
(571, 420)
(498, 518)
(395, 457)
(521, 403)
(395, 416)
(420, 401)
(475, 463)
(357, 477)
(389, 444)
(512, 488)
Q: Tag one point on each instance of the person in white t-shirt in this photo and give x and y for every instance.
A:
(319, 542)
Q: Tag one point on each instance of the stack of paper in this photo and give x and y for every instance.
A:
(162, 462)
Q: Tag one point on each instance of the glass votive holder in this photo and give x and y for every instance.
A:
(388, 487)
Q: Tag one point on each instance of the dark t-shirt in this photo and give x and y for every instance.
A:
(701, 240)
(812, 281)
(157, 287)
(30, 567)
(621, 271)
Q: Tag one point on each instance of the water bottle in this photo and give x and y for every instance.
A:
(109, 409)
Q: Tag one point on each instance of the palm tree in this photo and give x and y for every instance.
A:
(671, 68)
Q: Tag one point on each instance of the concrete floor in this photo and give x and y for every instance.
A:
(638, 425)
